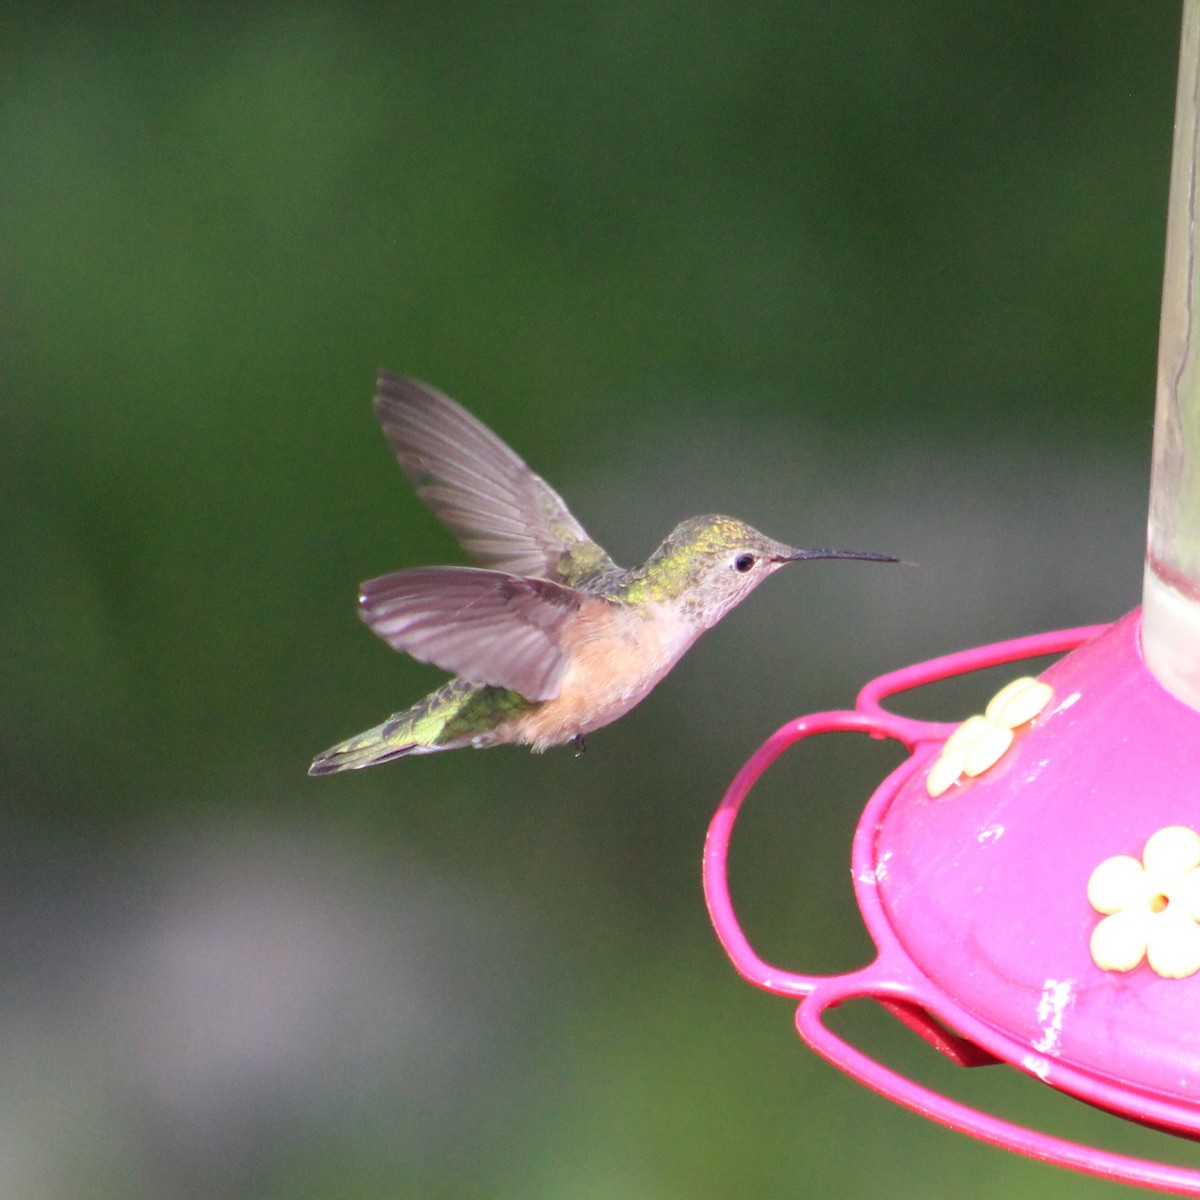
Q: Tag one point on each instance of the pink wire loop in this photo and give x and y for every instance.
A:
(716, 847)
(996, 1131)
(977, 658)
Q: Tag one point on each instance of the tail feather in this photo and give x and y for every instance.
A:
(457, 714)
(378, 745)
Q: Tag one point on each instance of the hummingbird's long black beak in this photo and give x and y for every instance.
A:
(859, 555)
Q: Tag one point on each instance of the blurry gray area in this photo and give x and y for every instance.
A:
(882, 277)
(183, 1018)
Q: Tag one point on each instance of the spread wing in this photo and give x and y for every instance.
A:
(488, 626)
(505, 516)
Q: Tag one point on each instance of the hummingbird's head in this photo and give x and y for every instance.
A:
(713, 563)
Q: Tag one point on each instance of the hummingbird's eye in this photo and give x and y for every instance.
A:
(743, 562)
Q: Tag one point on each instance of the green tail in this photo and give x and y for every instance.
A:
(458, 714)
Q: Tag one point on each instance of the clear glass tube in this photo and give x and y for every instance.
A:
(1171, 588)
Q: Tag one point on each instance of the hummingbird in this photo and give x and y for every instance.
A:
(547, 638)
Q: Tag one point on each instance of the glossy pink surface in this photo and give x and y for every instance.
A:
(977, 900)
(986, 886)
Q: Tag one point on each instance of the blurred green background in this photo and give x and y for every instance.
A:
(880, 275)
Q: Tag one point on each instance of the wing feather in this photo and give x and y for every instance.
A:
(506, 517)
(487, 626)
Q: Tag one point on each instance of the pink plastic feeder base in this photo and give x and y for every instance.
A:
(977, 899)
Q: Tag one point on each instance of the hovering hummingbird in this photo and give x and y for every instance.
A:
(548, 638)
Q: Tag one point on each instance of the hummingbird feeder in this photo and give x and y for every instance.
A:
(1031, 876)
